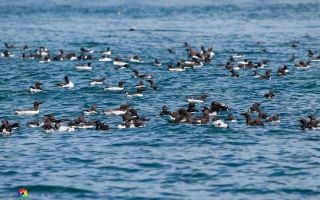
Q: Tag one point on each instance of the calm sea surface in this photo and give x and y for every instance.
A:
(162, 160)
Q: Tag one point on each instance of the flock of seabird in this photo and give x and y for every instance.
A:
(130, 118)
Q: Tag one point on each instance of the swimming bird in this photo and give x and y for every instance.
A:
(156, 62)
(293, 58)
(186, 44)
(264, 50)
(191, 120)
(33, 111)
(302, 65)
(135, 94)
(66, 84)
(179, 116)
(274, 119)
(105, 59)
(45, 59)
(86, 50)
(293, 45)
(317, 59)
(133, 28)
(118, 61)
(192, 108)
(106, 52)
(33, 124)
(47, 128)
(117, 111)
(152, 86)
(267, 76)
(216, 106)
(87, 67)
(91, 111)
(35, 88)
(262, 115)
(26, 48)
(308, 126)
(230, 118)
(254, 108)
(270, 95)
(135, 59)
(234, 73)
(217, 122)
(5, 128)
(141, 84)
(252, 122)
(119, 87)
(102, 126)
(84, 125)
(313, 118)
(310, 53)
(60, 128)
(71, 56)
(255, 74)
(6, 53)
(171, 51)
(97, 82)
(126, 124)
(211, 112)
(23, 56)
(141, 76)
(257, 43)
(59, 56)
(194, 99)
(165, 111)
(178, 68)
(281, 73)
(10, 47)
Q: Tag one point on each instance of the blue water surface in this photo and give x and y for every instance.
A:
(162, 160)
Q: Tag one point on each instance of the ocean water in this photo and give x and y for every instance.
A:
(162, 160)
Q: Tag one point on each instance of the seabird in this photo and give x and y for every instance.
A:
(274, 119)
(117, 111)
(91, 111)
(33, 111)
(97, 82)
(194, 99)
(35, 88)
(217, 122)
(270, 95)
(135, 94)
(66, 84)
(119, 87)
(141, 76)
(230, 118)
(152, 86)
(192, 108)
(165, 111)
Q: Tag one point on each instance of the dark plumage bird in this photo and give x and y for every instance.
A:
(293, 45)
(216, 106)
(171, 51)
(254, 108)
(230, 118)
(252, 122)
(310, 53)
(152, 86)
(165, 111)
(234, 73)
(141, 76)
(270, 95)
(257, 43)
(264, 50)
(267, 76)
(274, 119)
(102, 126)
(293, 58)
(9, 47)
(192, 108)
(262, 115)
